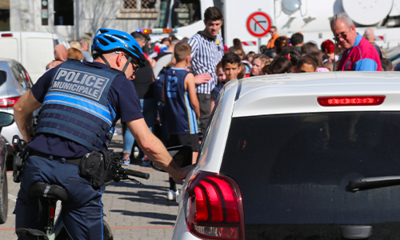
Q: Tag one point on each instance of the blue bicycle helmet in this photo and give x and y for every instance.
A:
(108, 40)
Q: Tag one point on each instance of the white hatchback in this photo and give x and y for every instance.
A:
(298, 156)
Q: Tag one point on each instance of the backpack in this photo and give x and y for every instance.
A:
(158, 84)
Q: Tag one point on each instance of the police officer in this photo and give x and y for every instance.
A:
(81, 102)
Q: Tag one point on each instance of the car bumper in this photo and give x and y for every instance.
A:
(181, 232)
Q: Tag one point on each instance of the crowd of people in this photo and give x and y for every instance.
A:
(180, 85)
(180, 89)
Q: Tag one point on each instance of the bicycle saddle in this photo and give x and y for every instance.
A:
(49, 191)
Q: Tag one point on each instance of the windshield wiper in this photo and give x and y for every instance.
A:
(373, 182)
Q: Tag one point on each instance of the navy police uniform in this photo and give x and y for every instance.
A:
(81, 103)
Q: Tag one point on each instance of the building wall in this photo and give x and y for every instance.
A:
(90, 15)
(21, 16)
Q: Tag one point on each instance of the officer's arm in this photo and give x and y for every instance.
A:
(23, 110)
(155, 150)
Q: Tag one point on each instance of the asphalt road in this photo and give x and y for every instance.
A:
(132, 211)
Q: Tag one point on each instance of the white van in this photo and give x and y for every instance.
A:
(33, 49)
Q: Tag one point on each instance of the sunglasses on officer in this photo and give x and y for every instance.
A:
(135, 66)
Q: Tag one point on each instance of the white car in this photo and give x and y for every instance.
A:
(298, 156)
(14, 82)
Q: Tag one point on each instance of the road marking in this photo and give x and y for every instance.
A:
(113, 228)
(6, 229)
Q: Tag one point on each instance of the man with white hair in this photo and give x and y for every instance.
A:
(359, 54)
(370, 36)
(84, 49)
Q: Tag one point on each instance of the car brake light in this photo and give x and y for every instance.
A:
(8, 102)
(350, 101)
(6, 35)
(214, 208)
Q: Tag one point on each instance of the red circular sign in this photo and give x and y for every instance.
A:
(258, 24)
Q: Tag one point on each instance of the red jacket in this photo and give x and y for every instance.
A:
(361, 57)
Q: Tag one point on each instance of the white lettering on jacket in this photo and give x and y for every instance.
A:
(79, 83)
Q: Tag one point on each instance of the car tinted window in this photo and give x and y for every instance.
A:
(20, 76)
(27, 79)
(293, 171)
(3, 77)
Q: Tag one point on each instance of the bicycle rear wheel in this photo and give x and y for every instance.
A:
(107, 233)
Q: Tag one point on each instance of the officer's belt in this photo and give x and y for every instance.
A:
(74, 161)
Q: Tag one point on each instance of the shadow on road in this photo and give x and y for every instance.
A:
(162, 223)
(161, 216)
(151, 197)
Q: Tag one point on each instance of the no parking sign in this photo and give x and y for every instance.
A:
(258, 25)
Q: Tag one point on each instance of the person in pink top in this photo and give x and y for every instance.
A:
(358, 54)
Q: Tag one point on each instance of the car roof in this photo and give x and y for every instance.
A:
(295, 93)
(7, 60)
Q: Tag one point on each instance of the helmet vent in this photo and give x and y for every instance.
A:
(122, 37)
(110, 39)
(102, 42)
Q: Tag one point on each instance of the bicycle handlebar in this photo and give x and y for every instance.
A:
(119, 173)
(135, 173)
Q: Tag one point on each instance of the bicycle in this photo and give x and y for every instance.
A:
(53, 193)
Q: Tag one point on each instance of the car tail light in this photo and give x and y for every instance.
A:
(350, 101)
(214, 208)
(8, 102)
(6, 35)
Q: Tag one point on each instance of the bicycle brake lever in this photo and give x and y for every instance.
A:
(135, 181)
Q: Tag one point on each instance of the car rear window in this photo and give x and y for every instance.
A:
(3, 77)
(294, 170)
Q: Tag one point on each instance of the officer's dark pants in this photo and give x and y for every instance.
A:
(82, 214)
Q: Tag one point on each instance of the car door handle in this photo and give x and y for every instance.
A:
(356, 231)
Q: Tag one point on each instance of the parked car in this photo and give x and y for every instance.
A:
(33, 49)
(298, 156)
(14, 82)
(5, 120)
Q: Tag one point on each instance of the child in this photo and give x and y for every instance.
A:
(328, 65)
(280, 65)
(266, 69)
(231, 63)
(182, 107)
(386, 65)
(307, 63)
(220, 73)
